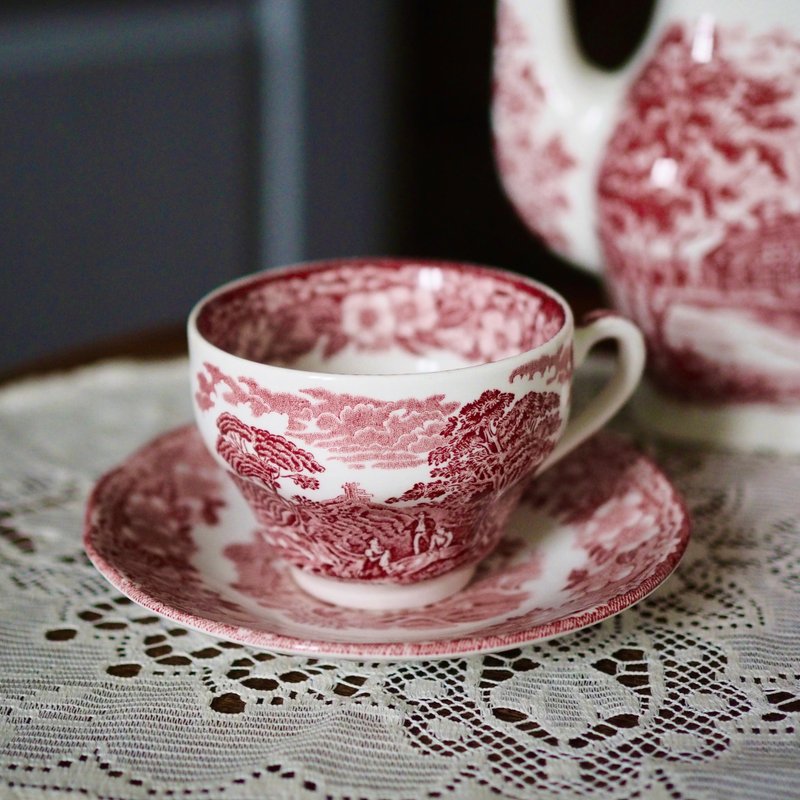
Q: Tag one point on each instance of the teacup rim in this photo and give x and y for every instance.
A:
(193, 330)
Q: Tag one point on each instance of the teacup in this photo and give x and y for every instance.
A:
(381, 417)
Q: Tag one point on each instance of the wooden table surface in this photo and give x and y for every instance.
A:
(163, 342)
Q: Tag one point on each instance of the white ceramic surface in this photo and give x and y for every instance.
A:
(381, 416)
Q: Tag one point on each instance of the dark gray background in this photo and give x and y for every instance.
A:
(151, 150)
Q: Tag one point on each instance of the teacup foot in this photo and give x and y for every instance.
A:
(740, 426)
(383, 596)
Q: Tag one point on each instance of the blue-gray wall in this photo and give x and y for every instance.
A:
(149, 151)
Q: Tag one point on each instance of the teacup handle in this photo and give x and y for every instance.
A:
(600, 325)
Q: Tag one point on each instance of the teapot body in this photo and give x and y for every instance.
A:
(680, 175)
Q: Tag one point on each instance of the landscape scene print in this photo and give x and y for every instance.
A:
(474, 457)
(699, 214)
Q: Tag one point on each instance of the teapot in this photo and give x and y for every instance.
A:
(677, 178)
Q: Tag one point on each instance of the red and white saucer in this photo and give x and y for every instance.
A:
(593, 535)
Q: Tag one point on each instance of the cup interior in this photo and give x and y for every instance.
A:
(380, 316)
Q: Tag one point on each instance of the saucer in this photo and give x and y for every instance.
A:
(593, 535)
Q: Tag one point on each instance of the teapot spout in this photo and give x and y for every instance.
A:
(552, 114)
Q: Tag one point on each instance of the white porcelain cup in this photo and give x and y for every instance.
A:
(382, 416)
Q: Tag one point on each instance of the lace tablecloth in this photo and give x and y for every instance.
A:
(694, 693)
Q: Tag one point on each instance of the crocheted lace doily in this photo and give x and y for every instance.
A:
(694, 693)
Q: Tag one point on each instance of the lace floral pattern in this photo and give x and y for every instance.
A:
(693, 693)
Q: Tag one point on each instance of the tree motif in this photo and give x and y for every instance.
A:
(492, 442)
(489, 446)
(263, 456)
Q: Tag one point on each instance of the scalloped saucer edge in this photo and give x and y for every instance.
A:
(595, 534)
